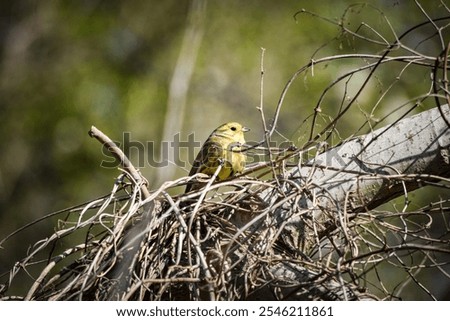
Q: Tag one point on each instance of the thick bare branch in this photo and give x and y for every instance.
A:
(369, 170)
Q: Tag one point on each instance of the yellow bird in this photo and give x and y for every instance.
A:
(223, 146)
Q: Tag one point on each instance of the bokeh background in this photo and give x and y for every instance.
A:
(157, 68)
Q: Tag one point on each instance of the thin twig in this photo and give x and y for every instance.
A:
(121, 158)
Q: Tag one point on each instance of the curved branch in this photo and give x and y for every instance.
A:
(120, 156)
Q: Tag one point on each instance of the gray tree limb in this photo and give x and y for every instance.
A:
(356, 176)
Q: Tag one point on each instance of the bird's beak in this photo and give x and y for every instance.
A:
(245, 129)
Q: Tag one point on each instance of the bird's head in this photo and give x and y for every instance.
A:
(233, 131)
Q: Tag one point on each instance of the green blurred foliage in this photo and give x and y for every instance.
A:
(67, 65)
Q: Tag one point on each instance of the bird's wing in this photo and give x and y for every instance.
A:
(206, 160)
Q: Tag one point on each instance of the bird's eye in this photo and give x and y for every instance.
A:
(233, 128)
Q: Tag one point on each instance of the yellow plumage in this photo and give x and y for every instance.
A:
(223, 146)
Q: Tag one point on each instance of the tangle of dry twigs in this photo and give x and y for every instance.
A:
(280, 233)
